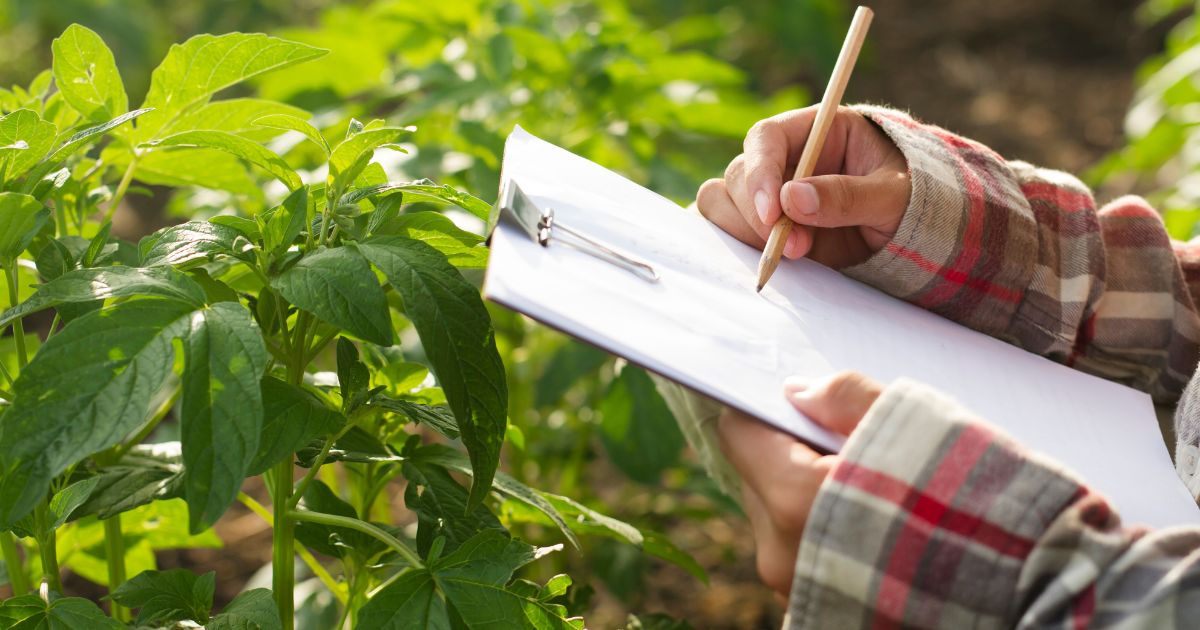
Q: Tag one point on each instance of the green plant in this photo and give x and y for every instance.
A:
(326, 324)
(1161, 125)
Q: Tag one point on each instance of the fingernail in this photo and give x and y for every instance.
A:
(762, 204)
(804, 197)
(791, 248)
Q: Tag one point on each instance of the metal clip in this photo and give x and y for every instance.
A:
(517, 209)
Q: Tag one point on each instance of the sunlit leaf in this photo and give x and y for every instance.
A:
(205, 64)
(86, 74)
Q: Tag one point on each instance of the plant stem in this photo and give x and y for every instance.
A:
(18, 326)
(4, 372)
(121, 188)
(12, 562)
(364, 527)
(47, 548)
(283, 543)
(115, 554)
(311, 561)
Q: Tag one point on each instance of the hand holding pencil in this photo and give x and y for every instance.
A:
(849, 209)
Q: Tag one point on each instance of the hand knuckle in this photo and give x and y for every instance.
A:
(762, 129)
(707, 195)
(845, 193)
(735, 168)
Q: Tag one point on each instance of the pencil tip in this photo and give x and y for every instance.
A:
(759, 289)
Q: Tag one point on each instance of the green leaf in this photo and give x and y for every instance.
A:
(354, 153)
(338, 286)
(235, 115)
(474, 577)
(291, 419)
(66, 501)
(438, 417)
(86, 74)
(489, 557)
(165, 597)
(84, 136)
(353, 377)
(88, 285)
(425, 190)
(457, 336)
(462, 248)
(658, 545)
(331, 540)
(570, 363)
(441, 507)
(30, 612)
(285, 222)
(205, 64)
(194, 240)
(246, 227)
(148, 472)
(87, 388)
(252, 610)
(222, 408)
(209, 168)
(21, 217)
(236, 145)
(96, 247)
(503, 483)
(588, 521)
(638, 430)
(293, 123)
(409, 601)
(32, 137)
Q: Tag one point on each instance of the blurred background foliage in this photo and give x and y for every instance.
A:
(661, 91)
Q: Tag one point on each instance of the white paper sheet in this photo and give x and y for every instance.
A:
(704, 326)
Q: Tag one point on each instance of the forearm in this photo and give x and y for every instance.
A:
(1022, 254)
(933, 519)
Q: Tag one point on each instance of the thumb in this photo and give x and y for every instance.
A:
(830, 201)
(837, 402)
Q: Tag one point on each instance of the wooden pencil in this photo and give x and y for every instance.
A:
(816, 138)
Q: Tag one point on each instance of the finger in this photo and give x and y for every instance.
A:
(767, 149)
(875, 200)
(838, 402)
(761, 455)
(772, 148)
(735, 186)
(800, 242)
(775, 558)
(714, 203)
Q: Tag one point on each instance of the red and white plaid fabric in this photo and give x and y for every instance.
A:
(934, 519)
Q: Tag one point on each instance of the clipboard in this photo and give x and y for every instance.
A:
(702, 324)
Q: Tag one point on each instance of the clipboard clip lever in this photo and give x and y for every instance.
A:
(516, 208)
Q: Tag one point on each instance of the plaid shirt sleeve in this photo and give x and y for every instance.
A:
(933, 519)
(1022, 254)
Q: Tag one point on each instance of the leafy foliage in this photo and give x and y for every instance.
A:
(159, 375)
(1160, 125)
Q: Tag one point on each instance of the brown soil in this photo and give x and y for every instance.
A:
(1042, 81)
